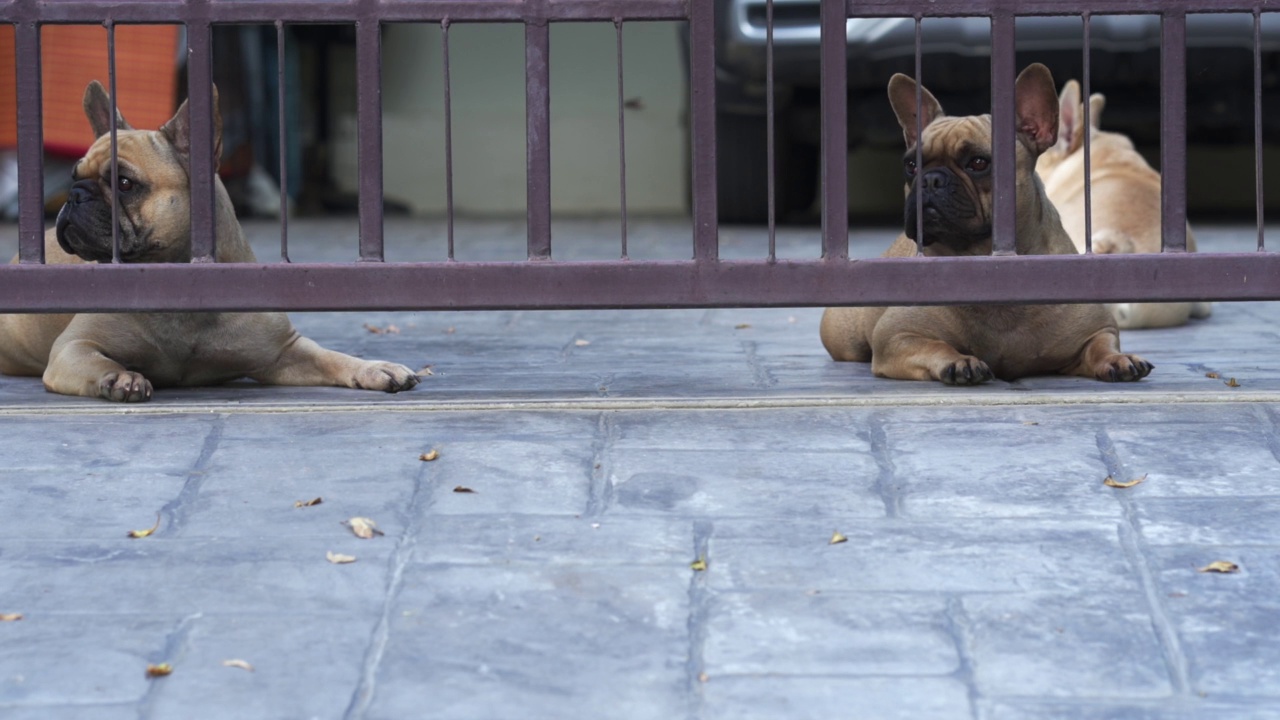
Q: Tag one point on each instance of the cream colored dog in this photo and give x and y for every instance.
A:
(1125, 200)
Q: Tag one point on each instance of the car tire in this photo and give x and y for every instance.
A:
(742, 170)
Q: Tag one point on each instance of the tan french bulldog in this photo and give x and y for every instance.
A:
(966, 345)
(1125, 200)
(122, 357)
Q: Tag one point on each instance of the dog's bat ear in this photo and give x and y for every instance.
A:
(178, 131)
(1070, 118)
(1036, 107)
(902, 96)
(97, 107)
(1097, 102)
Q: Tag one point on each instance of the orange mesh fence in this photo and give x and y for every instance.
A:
(71, 56)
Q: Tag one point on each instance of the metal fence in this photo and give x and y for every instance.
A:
(704, 280)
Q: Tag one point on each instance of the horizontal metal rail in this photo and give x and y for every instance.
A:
(661, 284)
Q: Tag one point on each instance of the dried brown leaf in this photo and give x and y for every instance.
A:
(634, 103)
(10, 617)
(339, 558)
(308, 503)
(429, 456)
(363, 527)
(1112, 482)
(837, 538)
(463, 489)
(1220, 566)
(1212, 375)
(391, 330)
(242, 664)
(742, 326)
(160, 670)
(1231, 383)
(698, 565)
(148, 531)
(373, 329)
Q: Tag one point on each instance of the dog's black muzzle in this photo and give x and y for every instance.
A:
(84, 221)
(947, 211)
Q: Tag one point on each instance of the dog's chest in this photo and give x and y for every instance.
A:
(190, 349)
(1017, 340)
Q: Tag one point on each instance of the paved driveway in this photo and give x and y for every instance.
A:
(986, 570)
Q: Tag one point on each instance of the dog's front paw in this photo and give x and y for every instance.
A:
(968, 370)
(384, 376)
(1123, 368)
(124, 387)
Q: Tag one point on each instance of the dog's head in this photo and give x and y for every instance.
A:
(954, 177)
(152, 187)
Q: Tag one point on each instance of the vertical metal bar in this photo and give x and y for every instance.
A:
(115, 147)
(1088, 131)
(1003, 135)
(835, 131)
(369, 130)
(1173, 130)
(622, 142)
(30, 143)
(284, 143)
(702, 125)
(537, 88)
(1257, 125)
(919, 136)
(770, 148)
(200, 116)
(448, 139)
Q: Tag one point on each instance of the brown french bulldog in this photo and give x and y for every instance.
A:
(122, 357)
(967, 345)
(1125, 200)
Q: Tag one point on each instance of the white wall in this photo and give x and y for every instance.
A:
(487, 91)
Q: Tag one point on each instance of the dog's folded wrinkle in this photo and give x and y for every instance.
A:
(122, 357)
(966, 345)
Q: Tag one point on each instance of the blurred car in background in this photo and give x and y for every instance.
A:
(1125, 65)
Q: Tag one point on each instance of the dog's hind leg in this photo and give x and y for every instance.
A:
(1132, 316)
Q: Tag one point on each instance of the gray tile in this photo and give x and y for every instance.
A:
(804, 698)
(1096, 644)
(758, 483)
(537, 642)
(888, 556)
(798, 633)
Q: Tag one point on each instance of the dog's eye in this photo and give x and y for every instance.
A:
(978, 164)
(910, 167)
(124, 184)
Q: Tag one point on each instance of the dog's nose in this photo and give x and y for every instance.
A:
(81, 192)
(936, 179)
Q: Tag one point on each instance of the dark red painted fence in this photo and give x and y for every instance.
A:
(544, 282)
